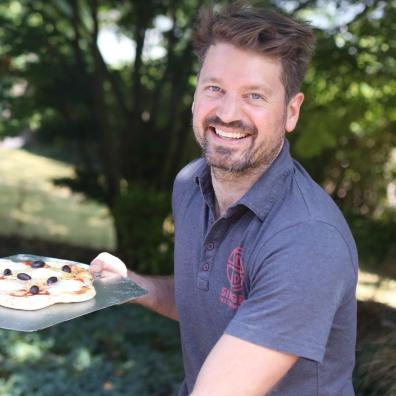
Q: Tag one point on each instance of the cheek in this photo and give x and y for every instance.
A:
(270, 121)
(200, 114)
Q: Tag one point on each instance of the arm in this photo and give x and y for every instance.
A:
(160, 297)
(236, 367)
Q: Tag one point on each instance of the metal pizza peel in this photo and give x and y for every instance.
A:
(110, 290)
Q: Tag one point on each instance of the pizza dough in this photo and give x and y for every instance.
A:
(32, 285)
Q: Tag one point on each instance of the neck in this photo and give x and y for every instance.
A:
(230, 187)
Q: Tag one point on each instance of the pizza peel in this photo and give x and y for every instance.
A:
(110, 290)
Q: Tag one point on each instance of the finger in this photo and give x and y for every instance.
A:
(108, 262)
(97, 264)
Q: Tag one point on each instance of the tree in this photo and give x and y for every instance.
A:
(127, 129)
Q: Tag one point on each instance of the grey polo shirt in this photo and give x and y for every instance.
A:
(279, 269)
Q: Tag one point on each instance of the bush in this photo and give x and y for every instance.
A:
(145, 229)
(375, 371)
(375, 375)
(374, 239)
(122, 351)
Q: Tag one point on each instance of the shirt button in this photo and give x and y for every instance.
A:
(205, 267)
(210, 246)
(203, 284)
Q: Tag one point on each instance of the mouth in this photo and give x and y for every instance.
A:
(233, 135)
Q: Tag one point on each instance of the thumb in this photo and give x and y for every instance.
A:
(97, 264)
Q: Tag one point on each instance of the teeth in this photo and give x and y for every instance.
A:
(230, 135)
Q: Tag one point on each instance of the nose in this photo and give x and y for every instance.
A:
(229, 108)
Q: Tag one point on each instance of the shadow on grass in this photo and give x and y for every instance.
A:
(128, 350)
(14, 244)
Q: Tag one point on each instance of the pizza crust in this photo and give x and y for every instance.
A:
(39, 301)
(76, 286)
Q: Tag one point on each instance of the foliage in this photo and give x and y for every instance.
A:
(146, 229)
(374, 240)
(128, 124)
(375, 370)
(122, 351)
(376, 373)
(348, 125)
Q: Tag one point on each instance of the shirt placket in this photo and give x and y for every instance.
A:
(210, 247)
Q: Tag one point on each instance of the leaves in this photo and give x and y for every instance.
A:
(132, 122)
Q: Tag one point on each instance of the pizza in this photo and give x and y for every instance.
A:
(39, 283)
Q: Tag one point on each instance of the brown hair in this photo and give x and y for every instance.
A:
(260, 30)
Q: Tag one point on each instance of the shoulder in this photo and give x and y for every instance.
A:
(308, 209)
(191, 171)
(186, 178)
(185, 182)
(309, 250)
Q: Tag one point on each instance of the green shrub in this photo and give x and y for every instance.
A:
(145, 229)
(375, 370)
(375, 373)
(124, 350)
(374, 239)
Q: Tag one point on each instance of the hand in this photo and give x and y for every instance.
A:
(107, 264)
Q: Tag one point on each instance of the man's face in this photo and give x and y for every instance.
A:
(239, 113)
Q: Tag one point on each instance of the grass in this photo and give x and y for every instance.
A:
(373, 287)
(126, 350)
(31, 206)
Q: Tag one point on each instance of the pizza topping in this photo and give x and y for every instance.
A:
(52, 280)
(35, 284)
(14, 265)
(66, 268)
(44, 273)
(23, 276)
(66, 286)
(34, 289)
(8, 285)
(38, 264)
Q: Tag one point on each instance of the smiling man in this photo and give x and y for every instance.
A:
(265, 264)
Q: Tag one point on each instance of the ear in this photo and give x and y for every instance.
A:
(293, 111)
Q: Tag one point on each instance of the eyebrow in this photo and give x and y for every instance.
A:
(252, 87)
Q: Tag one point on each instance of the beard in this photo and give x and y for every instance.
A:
(225, 159)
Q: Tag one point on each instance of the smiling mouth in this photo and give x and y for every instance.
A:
(229, 135)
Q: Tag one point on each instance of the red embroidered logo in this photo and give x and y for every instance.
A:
(233, 296)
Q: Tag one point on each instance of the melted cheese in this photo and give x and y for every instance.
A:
(8, 285)
(44, 273)
(65, 286)
(13, 266)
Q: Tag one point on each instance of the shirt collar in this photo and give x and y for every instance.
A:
(262, 195)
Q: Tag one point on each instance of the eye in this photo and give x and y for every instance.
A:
(213, 88)
(255, 96)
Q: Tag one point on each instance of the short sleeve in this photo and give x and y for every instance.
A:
(298, 279)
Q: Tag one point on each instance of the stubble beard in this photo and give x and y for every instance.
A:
(254, 160)
(221, 160)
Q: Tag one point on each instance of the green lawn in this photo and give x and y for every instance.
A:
(126, 350)
(31, 206)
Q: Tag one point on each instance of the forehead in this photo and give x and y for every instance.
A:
(232, 65)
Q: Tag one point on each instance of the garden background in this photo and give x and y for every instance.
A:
(95, 107)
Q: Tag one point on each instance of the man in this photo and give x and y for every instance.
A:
(265, 265)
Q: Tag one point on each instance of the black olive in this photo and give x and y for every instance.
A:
(66, 268)
(38, 264)
(34, 289)
(51, 280)
(23, 276)
(7, 271)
